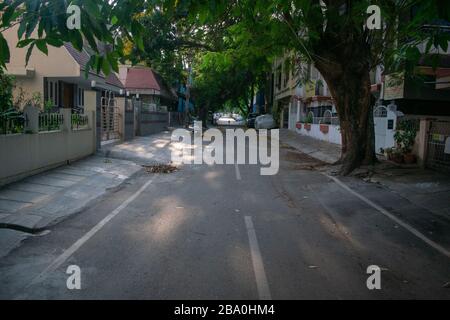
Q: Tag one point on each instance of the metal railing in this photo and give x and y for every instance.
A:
(334, 121)
(151, 107)
(12, 122)
(50, 121)
(79, 121)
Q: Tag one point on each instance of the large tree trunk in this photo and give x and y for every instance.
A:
(350, 89)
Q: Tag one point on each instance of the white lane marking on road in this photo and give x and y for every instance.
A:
(414, 231)
(73, 248)
(238, 173)
(258, 266)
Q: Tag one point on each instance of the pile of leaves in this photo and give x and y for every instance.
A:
(160, 168)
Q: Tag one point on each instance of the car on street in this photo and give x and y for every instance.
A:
(230, 121)
(251, 120)
(265, 121)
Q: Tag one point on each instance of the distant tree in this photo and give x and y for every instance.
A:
(334, 35)
(221, 71)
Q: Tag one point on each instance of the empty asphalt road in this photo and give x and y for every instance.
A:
(226, 232)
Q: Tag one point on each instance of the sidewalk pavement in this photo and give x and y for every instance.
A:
(148, 150)
(31, 205)
(426, 191)
(423, 187)
(321, 150)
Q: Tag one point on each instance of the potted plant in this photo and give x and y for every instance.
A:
(298, 125)
(388, 153)
(324, 128)
(409, 158)
(308, 121)
(405, 137)
(397, 156)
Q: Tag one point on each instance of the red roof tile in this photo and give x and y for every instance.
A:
(141, 78)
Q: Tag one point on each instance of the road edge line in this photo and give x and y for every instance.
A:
(386, 213)
(258, 266)
(74, 247)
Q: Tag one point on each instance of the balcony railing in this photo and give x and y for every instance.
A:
(50, 121)
(12, 122)
(79, 121)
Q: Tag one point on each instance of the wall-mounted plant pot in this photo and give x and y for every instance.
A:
(298, 125)
(324, 128)
(308, 126)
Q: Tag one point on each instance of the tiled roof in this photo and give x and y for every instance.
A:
(112, 79)
(141, 78)
(82, 58)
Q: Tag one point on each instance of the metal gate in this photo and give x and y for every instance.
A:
(110, 120)
(438, 156)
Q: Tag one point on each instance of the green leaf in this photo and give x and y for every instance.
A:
(140, 42)
(112, 59)
(98, 63)
(8, 15)
(4, 50)
(89, 66)
(54, 42)
(42, 46)
(27, 57)
(21, 29)
(31, 25)
(24, 43)
(105, 67)
(76, 39)
(114, 20)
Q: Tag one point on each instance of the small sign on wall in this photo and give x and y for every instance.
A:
(390, 124)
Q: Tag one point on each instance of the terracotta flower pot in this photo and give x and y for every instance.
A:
(397, 158)
(324, 128)
(298, 125)
(409, 158)
(308, 126)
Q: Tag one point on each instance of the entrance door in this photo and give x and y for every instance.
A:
(68, 95)
(109, 119)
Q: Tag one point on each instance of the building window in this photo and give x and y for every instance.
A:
(51, 92)
(80, 97)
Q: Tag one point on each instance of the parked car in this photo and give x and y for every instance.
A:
(265, 121)
(230, 121)
(251, 120)
(216, 116)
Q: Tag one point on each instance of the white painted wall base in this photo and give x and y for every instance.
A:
(28, 154)
(333, 135)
